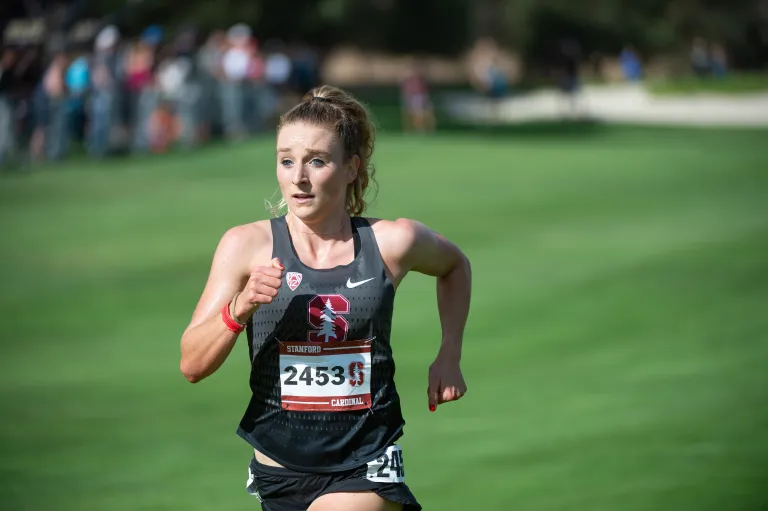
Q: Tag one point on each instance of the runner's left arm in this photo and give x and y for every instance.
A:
(430, 253)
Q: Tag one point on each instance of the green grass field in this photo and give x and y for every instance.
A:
(616, 352)
(733, 84)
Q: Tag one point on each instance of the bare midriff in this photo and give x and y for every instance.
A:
(266, 460)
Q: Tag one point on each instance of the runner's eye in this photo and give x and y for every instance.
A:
(285, 162)
(316, 162)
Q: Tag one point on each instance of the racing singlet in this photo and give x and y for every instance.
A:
(322, 372)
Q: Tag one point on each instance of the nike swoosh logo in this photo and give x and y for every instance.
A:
(351, 284)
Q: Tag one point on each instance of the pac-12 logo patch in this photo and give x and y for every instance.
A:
(294, 279)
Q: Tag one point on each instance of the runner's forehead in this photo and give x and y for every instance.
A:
(307, 138)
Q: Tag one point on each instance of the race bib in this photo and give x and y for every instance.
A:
(388, 468)
(325, 377)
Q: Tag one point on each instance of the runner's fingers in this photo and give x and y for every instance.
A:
(433, 391)
(433, 394)
(261, 271)
(451, 394)
(260, 298)
(272, 282)
(264, 289)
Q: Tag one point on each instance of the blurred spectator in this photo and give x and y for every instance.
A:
(209, 59)
(140, 82)
(718, 60)
(236, 65)
(152, 36)
(486, 74)
(416, 105)
(106, 75)
(277, 66)
(190, 88)
(7, 85)
(51, 135)
(631, 67)
(211, 54)
(77, 81)
(497, 80)
(255, 92)
(163, 127)
(570, 84)
(178, 92)
(699, 57)
(277, 74)
(306, 69)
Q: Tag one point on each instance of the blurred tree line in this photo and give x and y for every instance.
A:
(535, 28)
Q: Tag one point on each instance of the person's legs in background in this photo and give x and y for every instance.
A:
(7, 131)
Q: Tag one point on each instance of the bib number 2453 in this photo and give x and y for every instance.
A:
(388, 467)
(325, 376)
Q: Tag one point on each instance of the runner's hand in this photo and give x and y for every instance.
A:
(446, 382)
(262, 287)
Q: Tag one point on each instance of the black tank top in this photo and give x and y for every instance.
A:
(322, 372)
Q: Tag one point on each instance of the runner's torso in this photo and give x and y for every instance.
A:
(322, 372)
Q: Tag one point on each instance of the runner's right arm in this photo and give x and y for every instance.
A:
(207, 342)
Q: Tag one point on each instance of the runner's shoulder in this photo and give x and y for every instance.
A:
(247, 240)
(400, 232)
(392, 227)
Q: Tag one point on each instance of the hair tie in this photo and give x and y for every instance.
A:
(320, 98)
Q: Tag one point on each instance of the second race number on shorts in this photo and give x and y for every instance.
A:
(388, 467)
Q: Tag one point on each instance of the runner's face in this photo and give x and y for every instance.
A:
(311, 170)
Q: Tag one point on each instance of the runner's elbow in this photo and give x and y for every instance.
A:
(191, 372)
(190, 365)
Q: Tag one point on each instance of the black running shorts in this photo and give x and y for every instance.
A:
(282, 489)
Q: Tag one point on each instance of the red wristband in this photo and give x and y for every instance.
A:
(230, 322)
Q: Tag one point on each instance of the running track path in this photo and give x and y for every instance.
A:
(619, 104)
